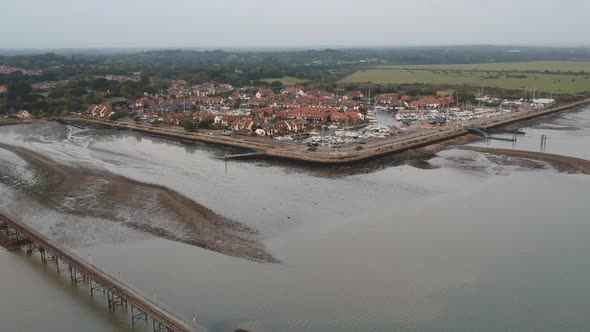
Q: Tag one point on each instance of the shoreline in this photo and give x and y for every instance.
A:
(13, 122)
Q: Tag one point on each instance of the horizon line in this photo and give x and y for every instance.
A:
(299, 47)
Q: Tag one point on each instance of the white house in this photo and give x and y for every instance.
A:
(23, 115)
(544, 102)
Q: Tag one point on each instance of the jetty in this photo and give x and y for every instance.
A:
(489, 134)
(117, 294)
(244, 155)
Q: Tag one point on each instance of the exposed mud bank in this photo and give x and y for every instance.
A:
(561, 163)
(101, 194)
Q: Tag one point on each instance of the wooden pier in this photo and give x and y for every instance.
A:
(487, 133)
(245, 155)
(117, 294)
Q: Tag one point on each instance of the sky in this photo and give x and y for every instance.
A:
(290, 23)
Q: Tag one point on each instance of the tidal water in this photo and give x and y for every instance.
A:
(567, 134)
(469, 245)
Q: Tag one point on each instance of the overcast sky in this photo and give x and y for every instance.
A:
(280, 23)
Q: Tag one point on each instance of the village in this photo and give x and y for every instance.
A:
(5, 70)
(316, 117)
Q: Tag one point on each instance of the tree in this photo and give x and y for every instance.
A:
(99, 84)
(205, 124)
(160, 84)
(464, 97)
(116, 116)
(38, 114)
(188, 125)
(78, 91)
(18, 89)
(276, 85)
(59, 91)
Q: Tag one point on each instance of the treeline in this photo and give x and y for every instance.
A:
(241, 68)
(74, 96)
(37, 61)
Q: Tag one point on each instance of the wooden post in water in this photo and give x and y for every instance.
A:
(543, 143)
(225, 158)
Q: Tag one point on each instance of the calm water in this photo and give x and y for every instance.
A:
(470, 245)
(567, 134)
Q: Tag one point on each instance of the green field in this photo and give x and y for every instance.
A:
(287, 80)
(541, 66)
(44, 93)
(501, 77)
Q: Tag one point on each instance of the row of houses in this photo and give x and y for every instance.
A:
(295, 91)
(175, 104)
(180, 88)
(245, 124)
(265, 121)
(102, 111)
(265, 127)
(5, 70)
(407, 102)
(322, 115)
(136, 77)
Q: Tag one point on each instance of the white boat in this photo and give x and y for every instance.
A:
(340, 132)
(314, 133)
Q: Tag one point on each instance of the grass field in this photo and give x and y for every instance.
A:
(550, 66)
(44, 93)
(287, 80)
(501, 77)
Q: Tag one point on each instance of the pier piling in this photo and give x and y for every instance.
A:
(543, 143)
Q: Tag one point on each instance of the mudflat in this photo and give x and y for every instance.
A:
(559, 162)
(202, 227)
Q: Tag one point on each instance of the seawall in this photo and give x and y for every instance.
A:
(347, 154)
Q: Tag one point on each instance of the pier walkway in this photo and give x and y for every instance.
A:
(118, 294)
(488, 134)
(244, 155)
